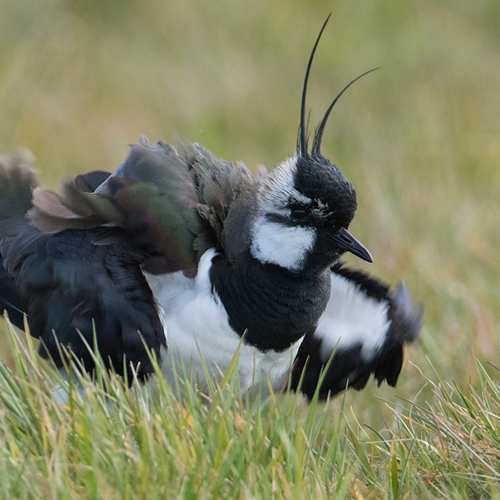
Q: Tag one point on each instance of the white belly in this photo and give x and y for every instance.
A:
(198, 334)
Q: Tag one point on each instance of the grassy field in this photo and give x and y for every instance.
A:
(419, 139)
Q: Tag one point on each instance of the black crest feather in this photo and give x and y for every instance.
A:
(318, 136)
(302, 128)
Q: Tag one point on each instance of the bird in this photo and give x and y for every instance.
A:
(183, 254)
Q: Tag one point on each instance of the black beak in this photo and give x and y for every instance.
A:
(345, 240)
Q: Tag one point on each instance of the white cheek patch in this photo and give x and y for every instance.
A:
(352, 317)
(275, 243)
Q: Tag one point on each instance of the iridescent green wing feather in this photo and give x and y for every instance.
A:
(170, 202)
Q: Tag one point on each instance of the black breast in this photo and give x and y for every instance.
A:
(271, 306)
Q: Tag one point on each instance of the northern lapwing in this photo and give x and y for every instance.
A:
(183, 253)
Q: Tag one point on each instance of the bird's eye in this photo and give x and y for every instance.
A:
(299, 213)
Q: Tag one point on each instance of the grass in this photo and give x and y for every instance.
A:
(419, 139)
(109, 441)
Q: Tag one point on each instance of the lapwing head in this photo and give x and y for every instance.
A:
(305, 204)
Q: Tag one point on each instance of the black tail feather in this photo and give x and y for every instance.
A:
(17, 181)
(10, 301)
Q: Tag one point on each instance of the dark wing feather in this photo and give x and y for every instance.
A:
(352, 363)
(91, 181)
(67, 284)
(17, 180)
(10, 300)
(172, 202)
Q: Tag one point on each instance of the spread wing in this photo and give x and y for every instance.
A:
(67, 285)
(74, 261)
(365, 326)
(170, 202)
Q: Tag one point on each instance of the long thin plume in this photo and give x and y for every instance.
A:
(302, 128)
(318, 136)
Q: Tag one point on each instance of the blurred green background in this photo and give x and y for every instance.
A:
(419, 139)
